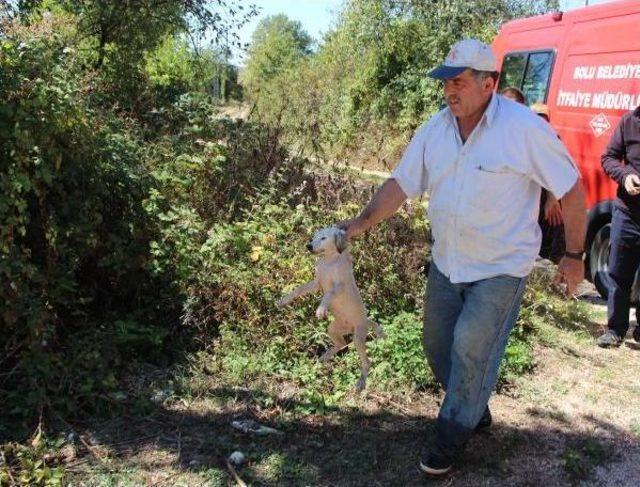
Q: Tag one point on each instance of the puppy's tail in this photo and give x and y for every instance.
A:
(377, 329)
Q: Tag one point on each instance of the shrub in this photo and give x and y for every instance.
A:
(39, 463)
(74, 236)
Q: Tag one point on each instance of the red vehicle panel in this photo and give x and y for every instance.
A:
(584, 65)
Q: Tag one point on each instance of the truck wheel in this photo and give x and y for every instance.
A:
(599, 266)
(599, 260)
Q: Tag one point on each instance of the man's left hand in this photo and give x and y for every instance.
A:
(570, 273)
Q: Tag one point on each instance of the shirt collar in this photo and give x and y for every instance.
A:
(492, 109)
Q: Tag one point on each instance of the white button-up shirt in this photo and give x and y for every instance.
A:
(484, 194)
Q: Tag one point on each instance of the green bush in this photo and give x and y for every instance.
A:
(39, 463)
(243, 267)
(74, 236)
(100, 230)
(174, 69)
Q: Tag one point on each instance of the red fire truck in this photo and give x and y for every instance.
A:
(584, 65)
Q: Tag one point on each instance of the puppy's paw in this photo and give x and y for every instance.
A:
(321, 312)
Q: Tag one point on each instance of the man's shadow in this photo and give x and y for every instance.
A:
(344, 446)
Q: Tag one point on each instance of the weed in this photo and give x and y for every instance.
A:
(581, 459)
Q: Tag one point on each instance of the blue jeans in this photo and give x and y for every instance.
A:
(465, 333)
(623, 264)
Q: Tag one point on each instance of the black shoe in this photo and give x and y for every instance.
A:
(636, 333)
(435, 463)
(485, 421)
(609, 339)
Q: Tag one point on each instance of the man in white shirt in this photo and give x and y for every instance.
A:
(483, 161)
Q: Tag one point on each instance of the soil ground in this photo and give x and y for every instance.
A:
(574, 421)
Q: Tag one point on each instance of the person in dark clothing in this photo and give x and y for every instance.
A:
(552, 246)
(621, 162)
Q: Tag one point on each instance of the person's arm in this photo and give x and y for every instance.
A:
(613, 162)
(384, 203)
(613, 156)
(554, 170)
(574, 213)
(552, 210)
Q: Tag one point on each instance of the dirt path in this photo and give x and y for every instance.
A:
(574, 421)
(584, 400)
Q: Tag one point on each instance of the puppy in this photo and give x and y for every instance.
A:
(334, 276)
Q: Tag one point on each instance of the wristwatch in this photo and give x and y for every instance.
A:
(575, 255)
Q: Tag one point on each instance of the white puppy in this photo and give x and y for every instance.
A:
(334, 276)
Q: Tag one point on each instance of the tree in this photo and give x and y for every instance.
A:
(116, 36)
(366, 89)
(125, 30)
(277, 45)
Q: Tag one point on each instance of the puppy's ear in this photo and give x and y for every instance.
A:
(341, 240)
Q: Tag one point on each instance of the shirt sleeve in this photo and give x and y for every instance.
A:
(614, 154)
(551, 165)
(411, 173)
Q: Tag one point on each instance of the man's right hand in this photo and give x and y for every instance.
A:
(384, 203)
(632, 184)
(353, 227)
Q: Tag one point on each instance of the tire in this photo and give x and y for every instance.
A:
(599, 265)
(599, 260)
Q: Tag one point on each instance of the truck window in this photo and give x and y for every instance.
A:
(512, 70)
(536, 78)
(528, 71)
